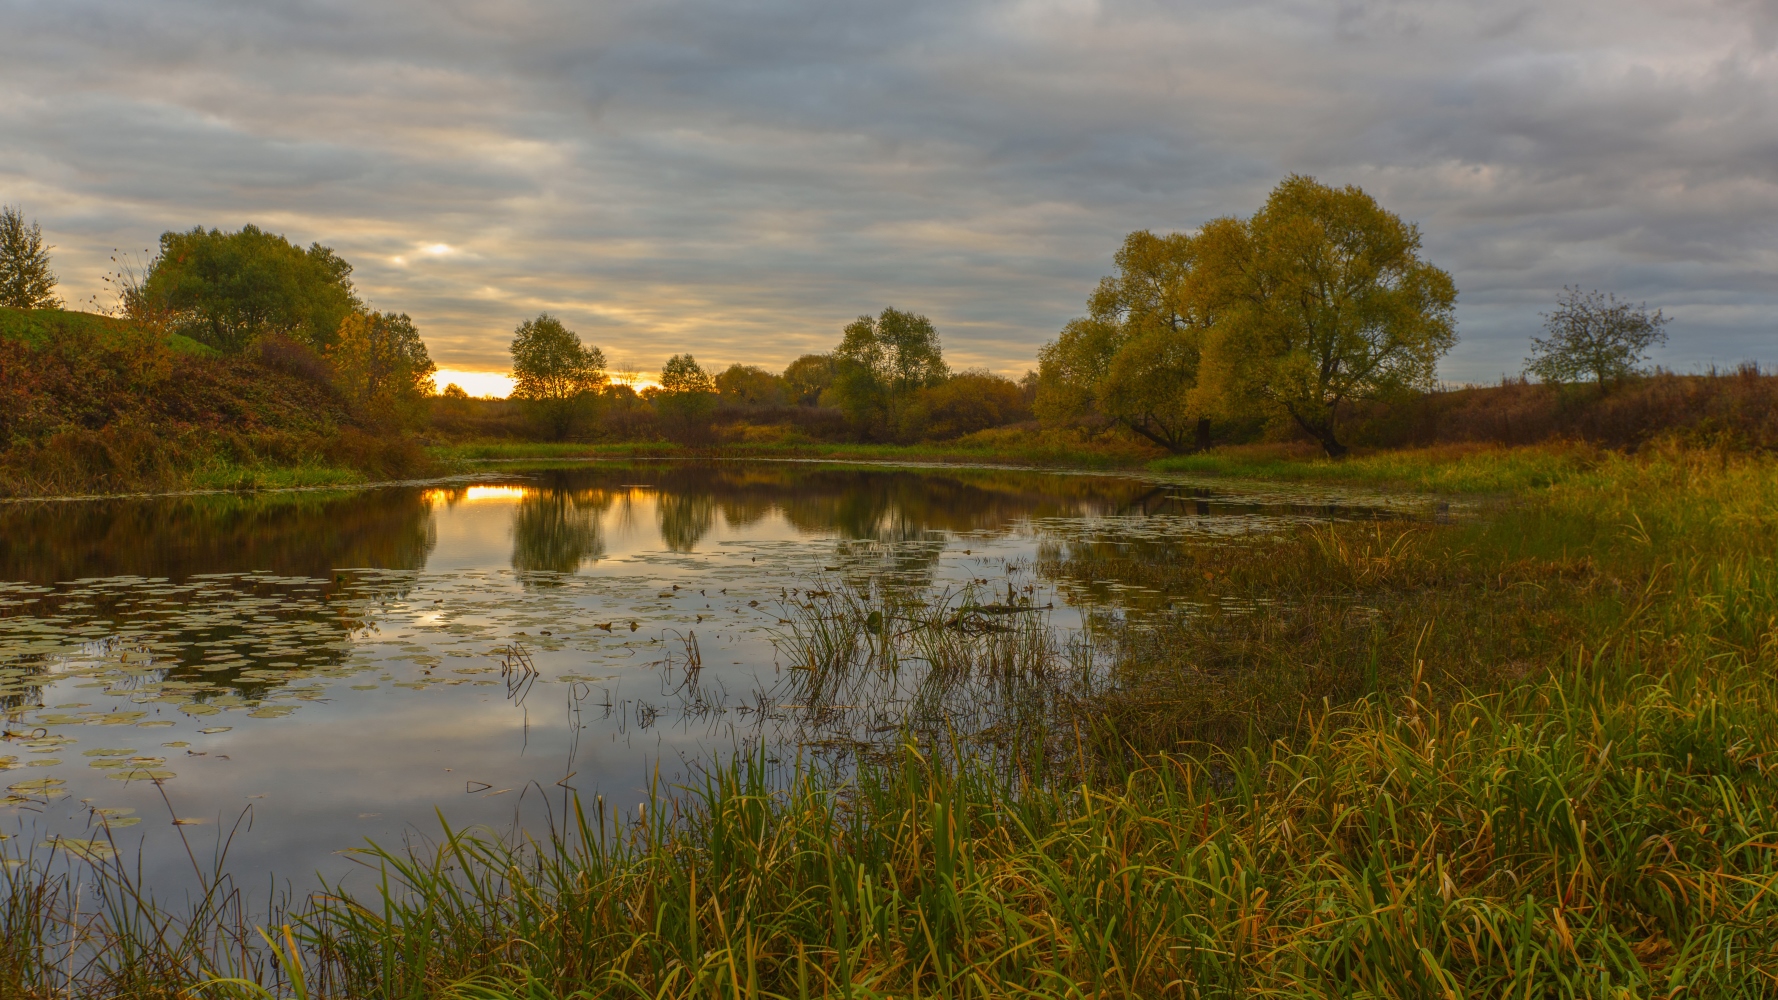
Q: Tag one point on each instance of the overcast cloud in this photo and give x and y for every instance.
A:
(739, 178)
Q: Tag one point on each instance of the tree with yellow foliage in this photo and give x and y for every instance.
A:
(1133, 360)
(1322, 298)
(382, 368)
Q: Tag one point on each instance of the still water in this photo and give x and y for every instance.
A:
(295, 673)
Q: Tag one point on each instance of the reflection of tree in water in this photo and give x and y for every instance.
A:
(286, 535)
(557, 531)
(685, 519)
(290, 534)
(740, 512)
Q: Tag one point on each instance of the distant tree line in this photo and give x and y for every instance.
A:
(1320, 302)
(887, 380)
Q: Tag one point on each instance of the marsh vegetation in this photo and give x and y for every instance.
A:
(1521, 749)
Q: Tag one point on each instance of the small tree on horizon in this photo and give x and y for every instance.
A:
(26, 282)
(687, 393)
(554, 372)
(882, 361)
(808, 377)
(1593, 334)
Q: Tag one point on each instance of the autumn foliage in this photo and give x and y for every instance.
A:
(89, 404)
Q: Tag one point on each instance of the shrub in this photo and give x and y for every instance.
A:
(967, 402)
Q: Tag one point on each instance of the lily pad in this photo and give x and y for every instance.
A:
(271, 711)
(107, 752)
(215, 729)
(85, 850)
(143, 774)
(36, 785)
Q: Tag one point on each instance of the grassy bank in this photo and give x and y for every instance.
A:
(1472, 468)
(90, 405)
(1531, 755)
(1009, 446)
(1453, 469)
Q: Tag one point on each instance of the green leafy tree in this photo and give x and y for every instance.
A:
(750, 386)
(879, 366)
(1070, 368)
(382, 368)
(555, 374)
(229, 289)
(1134, 360)
(1322, 297)
(808, 377)
(687, 393)
(26, 282)
(683, 375)
(1596, 336)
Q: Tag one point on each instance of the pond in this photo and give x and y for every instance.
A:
(291, 674)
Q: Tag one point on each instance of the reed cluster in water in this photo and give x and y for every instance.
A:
(1528, 754)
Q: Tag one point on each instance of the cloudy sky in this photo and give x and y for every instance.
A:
(739, 178)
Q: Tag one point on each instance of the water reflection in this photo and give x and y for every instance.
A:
(558, 530)
(193, 598)
(287, 534)
(685, 518)
(274, 645)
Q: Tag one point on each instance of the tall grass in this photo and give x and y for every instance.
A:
(1579, 801)
(973, 673)
(1604, 833)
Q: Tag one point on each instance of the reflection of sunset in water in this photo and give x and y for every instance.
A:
(452, 495)
(494, 493)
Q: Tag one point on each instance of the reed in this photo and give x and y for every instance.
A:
(1603, 833)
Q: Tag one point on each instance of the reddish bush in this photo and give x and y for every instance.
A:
(1737, 409)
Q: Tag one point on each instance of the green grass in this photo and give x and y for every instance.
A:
(1445, 469)
(238, 478)
(508, 451)
(1529, 756)
(1005, 446)
(37, 326)
(1465, 469)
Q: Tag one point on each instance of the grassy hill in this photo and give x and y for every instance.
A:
(90, 404)
(40, 327)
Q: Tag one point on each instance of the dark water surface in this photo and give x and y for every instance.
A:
(327, 667)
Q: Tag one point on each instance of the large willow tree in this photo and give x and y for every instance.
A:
(1323, 298)
(1320, 299)
(1134, 359)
